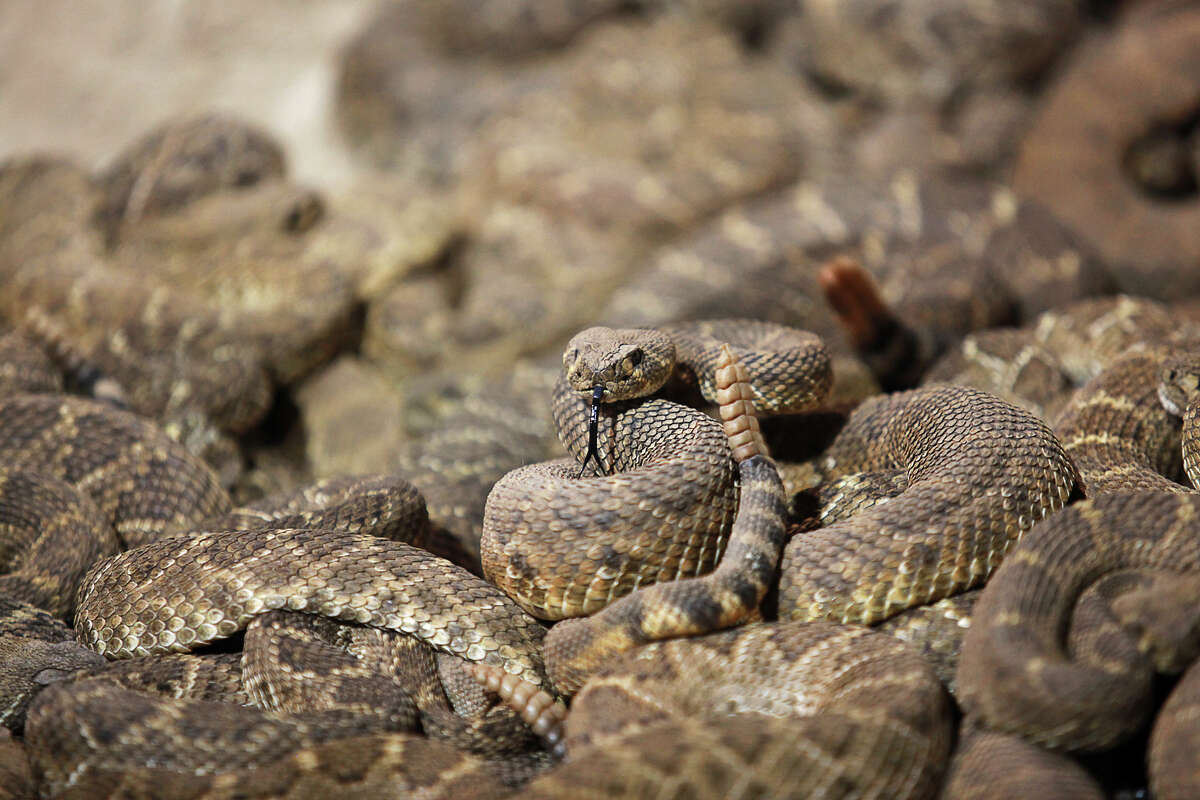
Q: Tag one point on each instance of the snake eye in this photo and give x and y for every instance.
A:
(1169, 375)
(303, 214)
(246, 177)
(635, 357)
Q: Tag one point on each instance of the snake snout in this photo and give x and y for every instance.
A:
(583, 380)
(1179, 381)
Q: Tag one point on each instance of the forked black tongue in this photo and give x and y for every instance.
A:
(593, 432)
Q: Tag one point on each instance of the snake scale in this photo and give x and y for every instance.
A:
(295, 646)
(786, 709)
(685, 455)
(129, 625)
(978, 473)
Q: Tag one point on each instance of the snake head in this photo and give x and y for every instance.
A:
(1179, 381)
(28, 665)
(625, 363)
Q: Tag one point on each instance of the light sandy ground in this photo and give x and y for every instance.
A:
(87, 77)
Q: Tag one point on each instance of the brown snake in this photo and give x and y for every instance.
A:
(350, 576)
(1119, 432)
(144, 484)
(781, 710)
(220, 581)
(363, 577)
(730, 595)
(1174, 771)
(766, 710)
(1110, 158)
(1016, 673)
(549, 538)
(979, 473)
(668, 457)
(283, 758)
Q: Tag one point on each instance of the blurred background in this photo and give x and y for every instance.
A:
(86, 78)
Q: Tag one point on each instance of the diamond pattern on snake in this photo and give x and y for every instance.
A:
(695, 399)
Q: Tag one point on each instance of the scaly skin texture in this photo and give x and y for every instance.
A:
(91, 738)
(51, 534)
(1017, 673)
(995, 766)
(302, 663)
(350, 576)
(144, 484)
(564, 547)
(1191, 443)
(766, 710)
(1174, 771)
(980, 473)
(350, 682)
(1117, 430)
(1179, 391)
(730, 595)
(1040, 365)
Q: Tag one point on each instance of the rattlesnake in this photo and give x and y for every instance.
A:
(999, 767)
(1021, 674)
(1040, 364)
(663, 456)
(1111, 159)
(672, 521)
(143, 484)
(783, 710)
(1111, 374)
(1118, 431)
(198, 543)
(364, 578)
(1099, 597)
(76, 465)
(379, 765)
(356, 577)
(320, 766)
(730, 595)
(979, 472)
(190, 272)
(1173, 744)
(307, 692)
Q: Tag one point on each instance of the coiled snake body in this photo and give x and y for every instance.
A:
(563, 547)
(979, 472)
(644, 528)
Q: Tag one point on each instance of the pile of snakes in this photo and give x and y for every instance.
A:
(693, 399)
